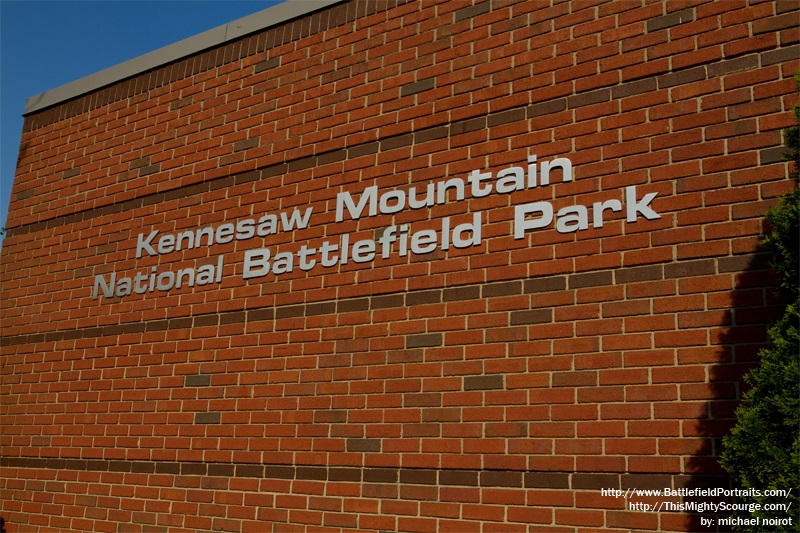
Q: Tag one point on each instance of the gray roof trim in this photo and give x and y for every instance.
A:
(272, 16)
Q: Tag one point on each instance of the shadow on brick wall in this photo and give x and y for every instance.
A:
(753, 304)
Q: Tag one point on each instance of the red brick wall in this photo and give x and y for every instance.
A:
(497, 387)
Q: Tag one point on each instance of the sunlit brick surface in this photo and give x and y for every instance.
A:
(494, 387)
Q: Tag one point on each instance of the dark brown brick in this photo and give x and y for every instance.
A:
(673, 19)
(157, 325)
(780, 56)
(767, 156)
(259, 315)
(99, 465)
(397, 141)
(506, 288)
(488, 382)
(532, 316)
(317, 473)
(459, 477)
(72, 172)
(546, 480)
(353, 304)
(417, 87)
(302, 163)
(431, 134)
(590, 98)
(633, 88)
(198, 380)
(380, 475)
(206, 320)
(682, 77)
(423, 297)
(44, 463)
(423, 340)
(506, 117)
(234, 317)
(274, 170)
(743, 263)
(221, 469)
(363, 445)
(180, 323)
(501, 478)
(193, 469)
(473, 11)
(332, 157)
(256, 471)
(389, 301)
(246, 144)
(290, 311)
(733, 65)
(322, 308)
(634, 274)
(279, 472)
(546, 108)
(149, 169)
(684, 269)
(417, 476)
(266, 65)
(458, 294)
(167, 468)
(139, 163)
(468, 125)
(344, 474)
(591, 279)
(207, 418)
(362, 150)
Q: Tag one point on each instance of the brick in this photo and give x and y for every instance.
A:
(501, 479)
(782, 55)
(590, 98)
(418, 87)
(672, 19)
(489, 382)
(473, 11)
(689, 268)
(458, 477)
(424, 340)
(423, 297)
(546, 108)
(461, 293)
(267, 65)
(207, 418)
(418, 477)
(380, 475)
(533, 316)
(245, 144)
(199, 380)
(591, 279)
(545, 284)
(682, 77)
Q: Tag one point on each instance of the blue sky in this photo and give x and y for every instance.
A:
(45, 44)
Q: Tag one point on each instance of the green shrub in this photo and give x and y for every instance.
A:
(763, 450)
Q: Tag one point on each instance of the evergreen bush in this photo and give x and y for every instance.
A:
(763, 450)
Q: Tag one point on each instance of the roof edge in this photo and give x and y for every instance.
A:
(267, 18)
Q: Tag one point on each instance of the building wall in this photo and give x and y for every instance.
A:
(498, 385)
